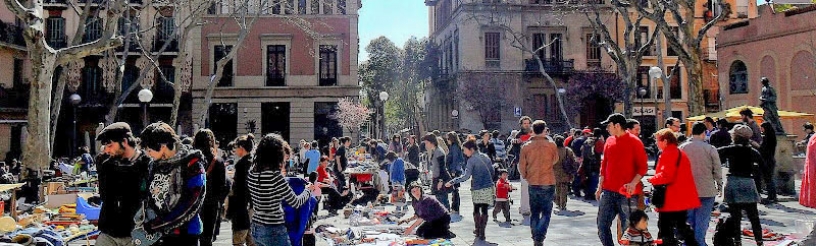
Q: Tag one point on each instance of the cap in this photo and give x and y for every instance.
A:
(586, 131)
(615, 118)
(742, 131)
(118, 130)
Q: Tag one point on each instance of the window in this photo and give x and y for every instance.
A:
(17, 76)
(276, 7)
(643, 38)
(556, 50)
(738, 78)
(341, 6)
(742, 8)
(328, 65)
(93, 30)
(55, 35)
(164, 91)
(325, 125)
(315, 7)
(302, 7)
(328, 7)
(164, 33)
(675, 86)
(676, 31)
(275, 65)
(539, 40)
(289, 7)
(92, 78)
(129, 28)
(492, 42)
(275, 118)
(593, 50)
(220, 52)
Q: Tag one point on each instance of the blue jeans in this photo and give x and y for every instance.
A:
(541, 204)
(699, 219)
(270, 235)
(613, 204)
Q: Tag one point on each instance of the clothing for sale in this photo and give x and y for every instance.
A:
(705, 166)
(681, 194)
(740, 159)
(480, 167)
(428, 208)
(297, 218)
(176, 193)
(120, 182)
(538, 157)
(238, 210)
(807, 196)
(268, 190)
(624, 157)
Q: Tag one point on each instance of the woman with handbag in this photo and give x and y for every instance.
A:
(675, 191)
(481, 168)
(740, 189)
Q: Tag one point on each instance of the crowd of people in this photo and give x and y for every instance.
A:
(163, 189)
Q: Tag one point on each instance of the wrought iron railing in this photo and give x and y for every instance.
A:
(551, 66)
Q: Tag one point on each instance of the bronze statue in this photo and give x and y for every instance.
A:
(768, 103)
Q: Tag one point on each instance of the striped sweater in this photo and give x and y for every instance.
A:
(268, 189)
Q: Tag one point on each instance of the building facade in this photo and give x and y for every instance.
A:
(286, 78)
(488, 45)
(751, 49)
(13, 87)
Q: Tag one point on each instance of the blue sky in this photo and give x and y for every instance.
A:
(397, 20)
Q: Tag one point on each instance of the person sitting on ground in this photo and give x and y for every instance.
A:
(431, 218)
(327, 186)
(638, 232)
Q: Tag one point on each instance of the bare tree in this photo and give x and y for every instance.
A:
(485, 94)
(687, 39)
(45, 60)
(627, 52)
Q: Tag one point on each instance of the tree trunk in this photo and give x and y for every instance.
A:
(37, 154)
(56, 104)
(696, 101)
(630, 81)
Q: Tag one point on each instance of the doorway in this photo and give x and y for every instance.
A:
(275, 118)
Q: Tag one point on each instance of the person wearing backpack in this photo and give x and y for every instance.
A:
(565, 169)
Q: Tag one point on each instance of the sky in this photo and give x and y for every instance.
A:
(397, 20)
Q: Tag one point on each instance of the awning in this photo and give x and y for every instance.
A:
(733, 114)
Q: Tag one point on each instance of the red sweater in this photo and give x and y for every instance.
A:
(624, 157)
(681, 193)
(322, 175)
(502, 189)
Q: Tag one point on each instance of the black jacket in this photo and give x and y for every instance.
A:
(740, 159)
(217, 187)
(119, 180)
(238, 210)
(413, 154)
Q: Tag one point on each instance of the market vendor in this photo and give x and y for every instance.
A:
(432, 218)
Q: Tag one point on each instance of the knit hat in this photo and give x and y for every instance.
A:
(115, 131)
(743, 131)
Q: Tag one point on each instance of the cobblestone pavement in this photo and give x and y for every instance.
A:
(577, 227)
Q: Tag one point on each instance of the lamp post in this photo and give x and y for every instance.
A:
(656, 73)
(641, 93)
(145, 96)
(75, 99)
(383, 98)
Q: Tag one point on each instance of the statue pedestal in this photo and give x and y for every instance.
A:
(786, 166)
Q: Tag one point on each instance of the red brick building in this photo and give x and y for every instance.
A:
(287, 78)
(780, 46)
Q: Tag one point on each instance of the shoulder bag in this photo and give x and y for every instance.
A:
(659, 191)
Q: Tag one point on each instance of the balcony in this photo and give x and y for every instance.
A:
(55, 4)
(11, 34)
(551, 66)
(171, 47)
(14, 97)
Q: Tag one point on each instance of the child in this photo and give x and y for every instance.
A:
(637, 233)
(503, 188)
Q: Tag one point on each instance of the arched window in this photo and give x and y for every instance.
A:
(738, 78)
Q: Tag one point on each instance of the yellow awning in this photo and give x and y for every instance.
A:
(733, 114)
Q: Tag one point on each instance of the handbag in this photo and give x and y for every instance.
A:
(659, 192)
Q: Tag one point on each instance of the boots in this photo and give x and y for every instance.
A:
(482, 223)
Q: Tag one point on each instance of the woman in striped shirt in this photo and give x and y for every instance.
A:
(268, 189)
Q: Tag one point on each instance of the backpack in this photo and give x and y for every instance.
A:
(568, 164)
(591, 161)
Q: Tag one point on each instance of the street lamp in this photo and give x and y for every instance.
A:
(383, 98)
(145, 96)
(656, 73)
(641, 93)
(74, 99)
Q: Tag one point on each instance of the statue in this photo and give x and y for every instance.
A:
(768, 103)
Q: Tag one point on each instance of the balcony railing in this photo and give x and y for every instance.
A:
(172, 47)
(11, 34)
(551, 66)
(14, 97)
(55, 3)
(58, 43)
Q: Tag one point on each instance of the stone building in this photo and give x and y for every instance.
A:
(478, 49)
(13, 88)
(285, 78)
(778, 45)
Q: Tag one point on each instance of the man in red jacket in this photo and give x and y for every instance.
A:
(622, 166)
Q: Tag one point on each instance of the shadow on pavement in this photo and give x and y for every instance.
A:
(568, 213)
(786, 209)
(456, 218)
(484, 243)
